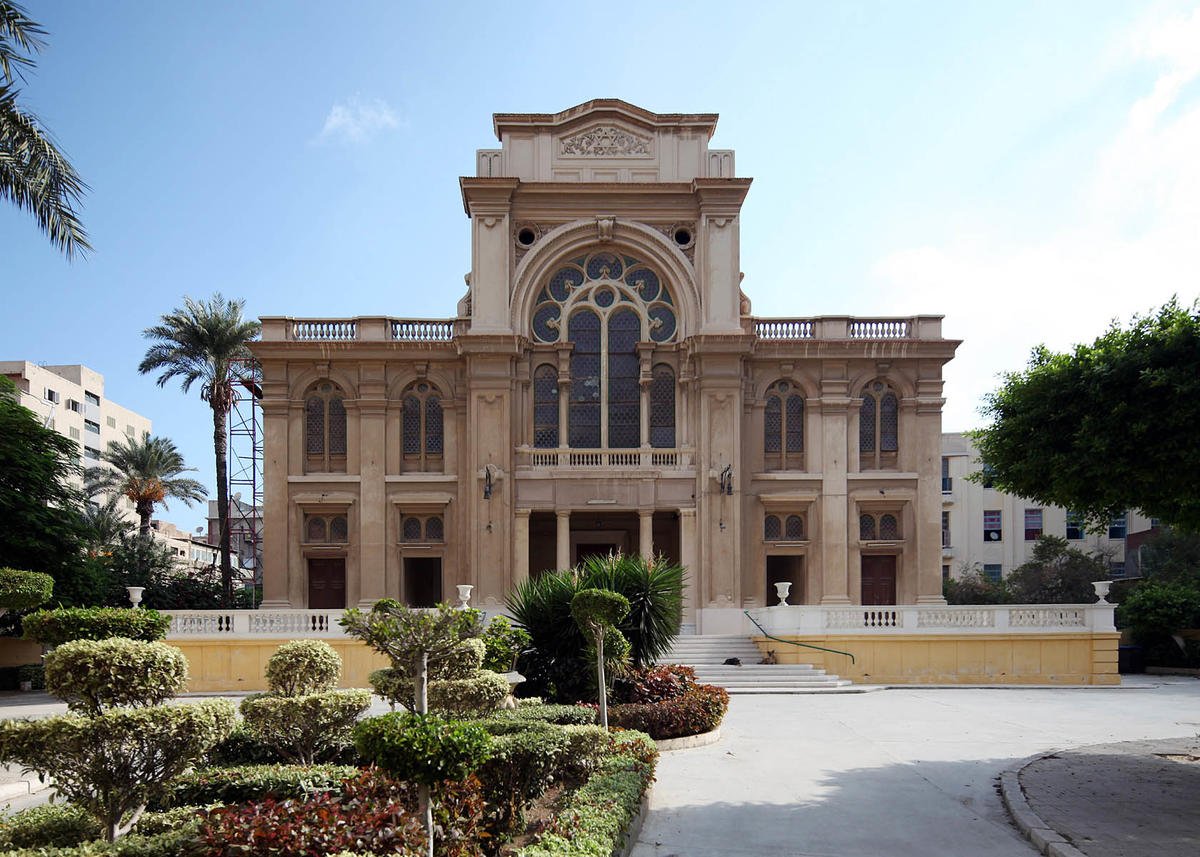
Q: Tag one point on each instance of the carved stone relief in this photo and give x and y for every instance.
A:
(606, 141)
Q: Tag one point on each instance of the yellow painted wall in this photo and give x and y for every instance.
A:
(232, 665)
(15, 652)
(1083, 658)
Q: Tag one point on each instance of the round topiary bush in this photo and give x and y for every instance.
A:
(55, 627)
(309, 728)
(302, 667)
(23, 590)
(422, 748)
(92, 675)
(463, 662)
(481, 694)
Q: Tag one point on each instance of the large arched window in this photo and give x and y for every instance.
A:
(545, 407)
(605, 304)
(783, 427)
(422, 439)
(325, 428)
(878, 427)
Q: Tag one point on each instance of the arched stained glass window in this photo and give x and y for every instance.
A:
(795, 423)
(624, 393)
(339, 531)
(773, 425)
(866, 527)
(422, 433)
(315, 529)
(888, 528)
(783, 427)
(583, 414)
(545, 407)
(325, 428)
(771, 528)
(878, 427)
(794, 527)
(662, 408)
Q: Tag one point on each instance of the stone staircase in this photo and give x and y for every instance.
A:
(707, 655)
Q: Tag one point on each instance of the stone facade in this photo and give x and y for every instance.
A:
(602, 386)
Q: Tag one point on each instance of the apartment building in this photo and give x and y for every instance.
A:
(997, 532)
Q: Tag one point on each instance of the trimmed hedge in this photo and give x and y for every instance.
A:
(242, 747)
(93, 675)
(522, 764)
(422, 748)
(58, 825)
(560, 715)
(62, 625)
(183, 842)
(306, 728)
(595, 818)
(252, 782)
(303, 667)
(23, 590)
(468, 697)
(697, 711)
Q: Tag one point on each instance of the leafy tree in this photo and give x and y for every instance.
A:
(146, 471)
(972, 586)
(1107, 427)
(1172, 555)
(103, 525)
(1056, 573)
(596, 612)
(40, 527)
(34, 174)
(207, 342)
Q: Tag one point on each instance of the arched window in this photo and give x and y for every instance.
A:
(339, 531)
(793, 527)
(326, 529)
(422, 438)
(662, 408)
(410, 530)
(888, 527)
(783, 427)
(878, 427)
(771, 528)
(605, 304)
(866, 528)
(434, 531)
(314, 530)
(325, 428)
(545, 407)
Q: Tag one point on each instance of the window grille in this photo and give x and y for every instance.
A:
(422, 427)
(338, 529)
(434, 531)
(662, 408)
(545, 407)
(315, 529)
(866, 527)
(773, 425)
(771, 528)
(794, 527)
(888, 527)
(325, 428)
(411, 530)
(878, 427)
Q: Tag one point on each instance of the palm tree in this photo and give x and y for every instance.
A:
(103, 524)
(207, 342)
(147, 472)
(34, 174)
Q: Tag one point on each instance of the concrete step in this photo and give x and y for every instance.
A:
(707, 655)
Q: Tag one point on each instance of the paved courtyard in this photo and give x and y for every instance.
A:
(897, 772)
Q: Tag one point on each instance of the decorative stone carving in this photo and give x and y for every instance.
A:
(606, 141)
(605, 227)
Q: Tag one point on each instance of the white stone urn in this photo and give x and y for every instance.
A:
(464, 595)
(1102, 587)
(135, 595)
(782, 588)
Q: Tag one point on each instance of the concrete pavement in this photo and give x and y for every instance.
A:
(902, 772)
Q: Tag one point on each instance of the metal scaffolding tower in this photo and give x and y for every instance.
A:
(245, 457)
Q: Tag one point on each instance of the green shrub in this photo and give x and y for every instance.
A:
(526, 701)
(303, 667)
(594, 819)
(586, 746)
(464, 661)
(503, 643)
(521, 766)
(422, 748)
(181, 842)
(393, 685)
(242, 747)
(653, 684)
(206, 786)
(698, 711)
(53, 825)
(468, 697)
(305, 728)
(35, 674)
(92, 675)
(1160, 607)
(562, 715)
(114, 763)
(55, 627)
(24, 590)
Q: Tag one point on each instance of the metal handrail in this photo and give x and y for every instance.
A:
(794, 642)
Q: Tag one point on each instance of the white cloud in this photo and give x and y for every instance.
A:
(1131, 242)
(357, 120)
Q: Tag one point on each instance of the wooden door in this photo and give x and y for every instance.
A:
(879, 580)
(327, 583)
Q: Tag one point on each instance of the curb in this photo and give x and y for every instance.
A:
(1044, 838)
(635, 826)
(689, 741)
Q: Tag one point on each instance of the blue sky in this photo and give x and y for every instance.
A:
(1028, 169)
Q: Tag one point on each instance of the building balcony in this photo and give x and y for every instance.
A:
(566, 458)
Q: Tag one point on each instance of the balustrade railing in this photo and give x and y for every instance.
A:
(231, 624)
(422, 329)
(592, 459)
(920, 619)
(890, 328)
(325, 330)
(784, 328)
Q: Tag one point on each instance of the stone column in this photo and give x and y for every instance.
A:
(563, 544)
(276, 566)
(520, 547)
(688, 554)
(928, 424)
(646, 533)
(834, 550)
(372, 511)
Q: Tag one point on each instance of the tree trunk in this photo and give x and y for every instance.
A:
(424, 803)
(603, 694)
(219, 446)
(145, 510)
(422, 682)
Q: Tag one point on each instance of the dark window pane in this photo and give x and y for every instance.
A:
(773, 425)
(314, 426)
(624, 393)
(795, 424)
(888, 528)
(662, 408)
(771, 528)
(545, 407)
(866, 527)
(794, 527)
(315, 529)
(337, 427)
(433, 530)
(411, 530)
(889, 423)
(412, 425)
(339, 531)
(584, 411)
(866, 424)
(545, 322)
(433, 425)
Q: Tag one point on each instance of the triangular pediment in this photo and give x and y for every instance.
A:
(606, 140)
(580, 120)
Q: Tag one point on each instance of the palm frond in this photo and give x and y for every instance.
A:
(19, 36)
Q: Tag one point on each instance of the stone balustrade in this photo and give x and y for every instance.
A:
(593, 459)
(908, 619)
